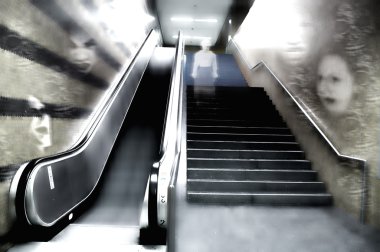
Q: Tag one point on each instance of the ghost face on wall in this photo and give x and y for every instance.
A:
(335, 85)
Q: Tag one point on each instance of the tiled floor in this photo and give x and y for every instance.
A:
(217, 228)
(267, 229)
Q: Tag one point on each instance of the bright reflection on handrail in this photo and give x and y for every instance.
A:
(171, 144)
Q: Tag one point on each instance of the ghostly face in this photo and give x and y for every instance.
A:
(40, 126)
(84, 58)
(297, 31)
(205, 45)
(296, 46)
(335, 84)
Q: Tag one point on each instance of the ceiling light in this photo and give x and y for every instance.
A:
(182, 19)
(191, 20)
(206, 20)
(193, 37)
(201, 38)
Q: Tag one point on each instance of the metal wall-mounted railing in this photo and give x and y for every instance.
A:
(165, 170)
(353, 161)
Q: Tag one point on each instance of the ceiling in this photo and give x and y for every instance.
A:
(198, 19)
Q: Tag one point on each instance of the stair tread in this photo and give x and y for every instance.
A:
(253, 181)
(252, 159)
(237, 141)
(261, 194)
(237, 134)
(242, 150)
(234, 127)
(247, 169)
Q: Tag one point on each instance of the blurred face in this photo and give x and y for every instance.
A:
(296, 32)
(40, 126)
(205, 45)
(296, 46)
(84, 58)
(335, 84)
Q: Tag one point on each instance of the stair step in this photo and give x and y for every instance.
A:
(275, 199)
(199, 105)
(218, 90)
(228, 104)
(253, 116)
(251, 174)
(225, 106)
(242, 137)
(238, 129)
(213, 185)
(236, 101)
(240, 151)
(227, 97)
(248, 163)
(216, 94)
(244, 154)
(222, 109)
(236, 145)
(230, 122)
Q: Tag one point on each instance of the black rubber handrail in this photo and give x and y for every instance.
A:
(164, 169)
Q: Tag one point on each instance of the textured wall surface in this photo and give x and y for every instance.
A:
(58, 59)
(326, 53)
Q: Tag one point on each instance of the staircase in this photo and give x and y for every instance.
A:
(240, 151)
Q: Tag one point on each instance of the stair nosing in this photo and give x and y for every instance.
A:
(236, 134)
(244, 150)
(252, 159)
(254, 181)
(248, 169)
(218, 120)
(236, 127)
(260, 194)
(232, 141)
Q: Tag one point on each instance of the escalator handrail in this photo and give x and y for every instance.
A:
(173, 98)
(163, 170)
(106, 101)
(358, 162)
(19, 182)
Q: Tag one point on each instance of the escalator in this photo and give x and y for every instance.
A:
(109, 218)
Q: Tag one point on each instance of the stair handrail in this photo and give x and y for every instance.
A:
(164, 170)
(355, 161)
